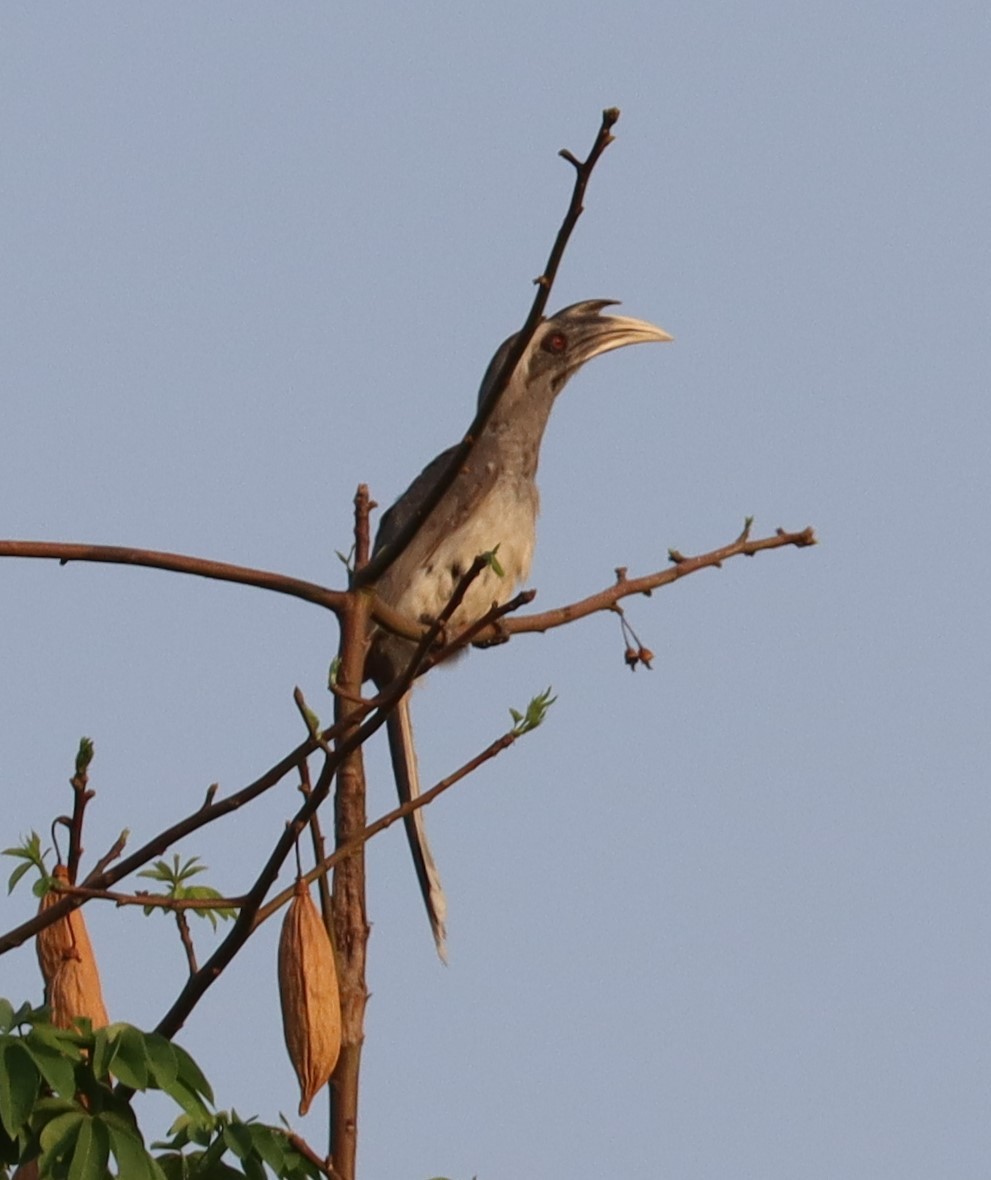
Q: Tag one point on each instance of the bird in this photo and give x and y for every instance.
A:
(491, 505)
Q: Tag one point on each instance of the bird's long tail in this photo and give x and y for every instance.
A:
(399, 727)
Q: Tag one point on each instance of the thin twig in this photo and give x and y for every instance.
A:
(298, 1143)
(187, 941)
(319, 847)
(81, 795)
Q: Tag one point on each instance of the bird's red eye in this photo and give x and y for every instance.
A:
(555, 342)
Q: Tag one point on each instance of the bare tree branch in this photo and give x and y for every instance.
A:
(65, 551)
(624, 587)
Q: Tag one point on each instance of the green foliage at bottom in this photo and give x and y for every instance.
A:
(65, 1102)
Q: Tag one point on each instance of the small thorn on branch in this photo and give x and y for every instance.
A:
(676, 557)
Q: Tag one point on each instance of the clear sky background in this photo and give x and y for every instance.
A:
(728, 918)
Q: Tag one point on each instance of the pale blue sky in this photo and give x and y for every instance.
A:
(725, 919)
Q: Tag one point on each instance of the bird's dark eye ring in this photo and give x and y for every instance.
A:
(555, 342)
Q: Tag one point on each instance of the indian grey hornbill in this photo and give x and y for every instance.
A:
(492, 502)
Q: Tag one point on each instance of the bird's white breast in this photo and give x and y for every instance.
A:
(506, 521)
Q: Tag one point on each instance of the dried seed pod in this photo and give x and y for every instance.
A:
(311, 1007)
(53, 942)
(75, 991)
(68, 965)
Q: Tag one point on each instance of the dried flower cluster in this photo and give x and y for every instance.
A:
(311, 1007)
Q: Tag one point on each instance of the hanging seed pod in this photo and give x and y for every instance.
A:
(311, 1007)
(54, 940)
(75, 991)
(68, 965)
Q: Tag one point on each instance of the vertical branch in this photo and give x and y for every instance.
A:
(187, 941)
(319, 850)
(350, 918)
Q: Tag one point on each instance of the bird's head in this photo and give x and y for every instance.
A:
(564, 342)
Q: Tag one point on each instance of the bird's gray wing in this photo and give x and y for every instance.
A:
(394, 519)
(472, 484)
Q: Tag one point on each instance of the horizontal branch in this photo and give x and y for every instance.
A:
(180, 563)
(155, 901)
(625, 586)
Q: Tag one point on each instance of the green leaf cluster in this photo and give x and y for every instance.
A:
(31, 856)
(177, 876)
(535, 713)
(65, 1101)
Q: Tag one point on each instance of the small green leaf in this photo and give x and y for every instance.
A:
(211, 1165)
(57, 1138)
(30, 853)
(53, 1064)
(6, 1015)
(28, 1015)
(535, 713)
(67, 1042)
(159, 871)
(84, 755)
(176, 873)
(493, 562)
(198, 1113)
(173, 1166)
(238, 1139)
(103, 1051)
(191, 1074)
(129, 1061)
(162, 1059)
(133, 1161)
(16, 875)
(19, 1082)
(92, 1151)
(269, 1145)
(254, 1169)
